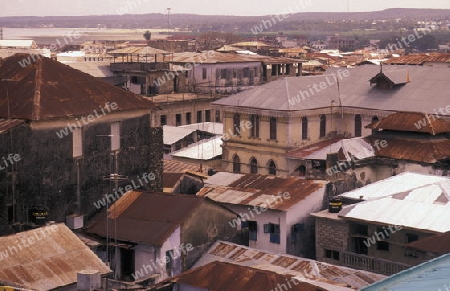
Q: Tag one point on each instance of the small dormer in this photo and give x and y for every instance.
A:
(390, 80)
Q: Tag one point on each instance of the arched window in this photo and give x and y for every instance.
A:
(273, 128)
(304, 127)
(272, 168)
(323, 125)
(236, 124)
(375, 119)
(236, 164)
(254, 131)
(358, 125)
(253, 166)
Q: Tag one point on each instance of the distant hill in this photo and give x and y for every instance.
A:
(216, 21)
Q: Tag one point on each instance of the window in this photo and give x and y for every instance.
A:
(169, 262)
(374, 119)
(177, 119)
(253, 166)
(246, 72)
(234, 73)
(163, 120)
(382, 246)
(223, 74)
(199, 116)
(358, 125)
(323, 125)
(360, 245)
(330, 254)
(207, 115)
(188, 118)
(273, 128)
(274, 231)
(252, 230)
(410, 237)
(361, 229)
(304, 127)
(115, 136)
(236, 164)
(236, 124)
(254, 120)
(218, 116)
(77, 142)
(204, 74)
(272, 168)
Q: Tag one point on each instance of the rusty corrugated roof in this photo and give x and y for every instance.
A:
(171, 166)
(412, 121)
(258, 190)
(50, 262)
(134, 50)
(413, 147)
(47, 89)
(438, 244)
(142, 217)
(305, 151)
(221, 276)
(301, 268)
(420, 59)
(171, 179)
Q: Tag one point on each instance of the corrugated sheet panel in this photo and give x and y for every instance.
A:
(432, 275)
(260, 190)
(171, 166)
(403, 182)
(6, 124)
(285, 264)
(47, 89)
(202, 150)
(50, 262)
(173, 134)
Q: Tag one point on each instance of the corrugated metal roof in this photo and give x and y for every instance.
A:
(301, 268)
(173, 134)
(95, 69)
(418, 147)
(139, 211)
(408, 121)
(211, 127)
(409, 213)
(221, 276)
(257, 190)
(355, 91)
(171, 179)
(404, 182)
(431, 275)
(213, 57)
(47, 89)
(181, 167)
(146, 50)
(222, 179)
(356, 147)
(437, 244)
(6, 124)
(206, 149)
(420, 59)
(50, 262)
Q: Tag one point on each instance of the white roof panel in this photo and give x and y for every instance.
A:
(173, 134)
(396, 184)
(202, 150)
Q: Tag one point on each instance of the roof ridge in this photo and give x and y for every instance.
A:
(36, 109)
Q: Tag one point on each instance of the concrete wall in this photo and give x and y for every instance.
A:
(289, 135)
(330, 235)
(47, 172)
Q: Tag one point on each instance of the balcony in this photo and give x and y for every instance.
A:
(370, 264)
(139, 67)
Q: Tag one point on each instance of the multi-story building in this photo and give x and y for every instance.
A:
(68, 132)
(265, 123)
(374, 232)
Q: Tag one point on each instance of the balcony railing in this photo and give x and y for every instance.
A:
(140, 67)
(375, 265)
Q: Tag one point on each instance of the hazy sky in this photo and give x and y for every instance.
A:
(222, 7)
